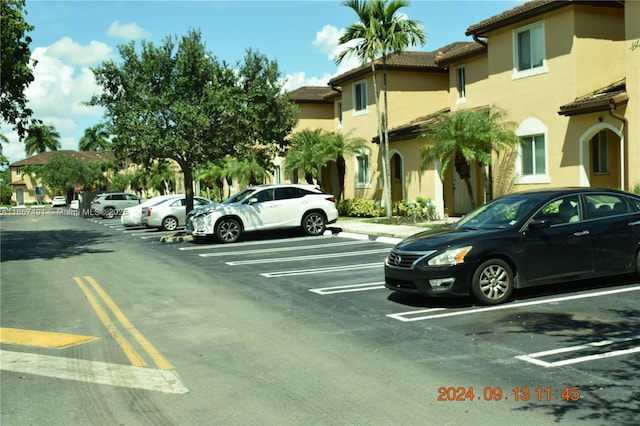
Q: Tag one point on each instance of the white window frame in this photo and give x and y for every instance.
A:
(534, 70)
(528, 128)
(363, 98)
(461, 84)
(362, 181)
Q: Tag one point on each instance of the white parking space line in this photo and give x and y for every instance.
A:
(348, 288)
(128, 376)
(280, 249)
(534, 358)
(247, 243)
(322, 270)
(419, 314)
(312, 257)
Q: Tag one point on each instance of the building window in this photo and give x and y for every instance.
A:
(600, 153)
(461, 84)
(360, 97)
(362, 169)
(339, 115)
(533, 158)
(529, 50)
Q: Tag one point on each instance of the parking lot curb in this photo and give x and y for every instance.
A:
(177, 237)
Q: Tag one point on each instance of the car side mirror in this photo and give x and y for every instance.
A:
(539, 224)
(252, 200)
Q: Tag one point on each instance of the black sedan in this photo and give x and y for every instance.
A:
(522, 240)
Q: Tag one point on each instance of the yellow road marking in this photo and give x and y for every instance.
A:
(42, 339)
(157, 357)
(129, 350)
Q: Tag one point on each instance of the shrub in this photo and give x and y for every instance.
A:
(422, 209)
(360, 207)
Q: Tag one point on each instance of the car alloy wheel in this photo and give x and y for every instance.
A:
(109, 212)
(313, 223)
(228, 230)
(492, 282)
(169, 223)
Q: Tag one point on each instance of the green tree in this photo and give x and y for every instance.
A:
(63, 172)
(307, 153)
(340, 145)
(247, 171)
(95, 138)
(214, 175)
(15, 64)
(40, 138)
(381, 31)
(178, 101)
(464, 138)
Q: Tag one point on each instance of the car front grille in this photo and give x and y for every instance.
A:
(405, 260)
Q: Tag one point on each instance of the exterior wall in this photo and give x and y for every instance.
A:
(632, 113)
(576, 66)
(28, 189)
(410, 96)
(315, 116)
(477, 83)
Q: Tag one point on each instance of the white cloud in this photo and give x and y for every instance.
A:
(68, 50)
(327, 41)
(127, 31)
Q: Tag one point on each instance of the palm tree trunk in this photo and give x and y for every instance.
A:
(342, 171)
(382, 149)
(386, 168)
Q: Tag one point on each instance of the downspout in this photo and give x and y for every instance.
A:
(476, 38)
(613, 105)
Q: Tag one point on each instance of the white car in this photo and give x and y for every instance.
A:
(58, 201)
(265, 207)
(132, 216)
(169, 214)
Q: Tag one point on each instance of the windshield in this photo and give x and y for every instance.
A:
(240, 196)
(499, 214)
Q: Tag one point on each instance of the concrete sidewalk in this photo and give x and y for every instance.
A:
(373, 230)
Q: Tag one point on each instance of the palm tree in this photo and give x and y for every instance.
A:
(214, 174)
(465, 137)
(247, 171)
(308, 152)
(41, 137)
(95, 138)
(340, 145)
(381, 31)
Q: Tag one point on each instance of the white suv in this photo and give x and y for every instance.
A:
(110, 204)
(265, 207)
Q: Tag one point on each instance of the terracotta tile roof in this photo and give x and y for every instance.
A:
(529, 10)
(403, 61)
(461, 51)
(312, 94)
(599, 100)
(413, 129)
(86, 156)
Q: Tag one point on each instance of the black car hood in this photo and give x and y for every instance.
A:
(439, 238)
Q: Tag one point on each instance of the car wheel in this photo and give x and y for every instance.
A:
(109, 213)
(492, 282)
(169, 223)
(228, 230)
(313, 223)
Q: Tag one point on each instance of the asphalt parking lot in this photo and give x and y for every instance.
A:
(590, 326)
(566, 353)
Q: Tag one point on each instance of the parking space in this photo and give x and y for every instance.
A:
(579, 328)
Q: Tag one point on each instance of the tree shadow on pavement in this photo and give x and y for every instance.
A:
(49, 245)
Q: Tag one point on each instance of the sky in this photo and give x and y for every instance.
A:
(72, 36)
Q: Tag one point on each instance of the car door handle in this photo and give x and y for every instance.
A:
(636, 223)
(581, 233)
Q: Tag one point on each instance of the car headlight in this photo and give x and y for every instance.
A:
(450, 257)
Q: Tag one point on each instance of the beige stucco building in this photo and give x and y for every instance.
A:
(566, 73)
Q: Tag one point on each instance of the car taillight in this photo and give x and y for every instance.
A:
(148, 212)
(332, 199)
(96, 202)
